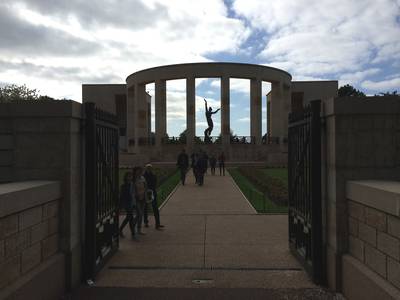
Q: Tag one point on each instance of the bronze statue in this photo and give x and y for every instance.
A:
(209, 113)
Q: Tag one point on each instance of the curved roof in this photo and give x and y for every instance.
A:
(208, 70)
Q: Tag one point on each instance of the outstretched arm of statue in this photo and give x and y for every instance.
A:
(205, 103)
(216, 111)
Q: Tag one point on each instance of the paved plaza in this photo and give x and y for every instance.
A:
(213, 238)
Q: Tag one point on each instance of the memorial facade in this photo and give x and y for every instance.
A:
(131, 103)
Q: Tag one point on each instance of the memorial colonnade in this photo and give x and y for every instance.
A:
(137, 106)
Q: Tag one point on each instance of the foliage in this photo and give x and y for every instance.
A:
(260, 201)
(348, 90)
(167, 186)
(274, 187)
(13, 92)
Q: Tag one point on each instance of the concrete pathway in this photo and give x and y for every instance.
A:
(213, 239)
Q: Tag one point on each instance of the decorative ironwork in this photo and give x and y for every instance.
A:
(305, 212)
(101, 223)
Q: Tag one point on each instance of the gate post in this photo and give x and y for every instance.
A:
(90, 190)
(317, 244)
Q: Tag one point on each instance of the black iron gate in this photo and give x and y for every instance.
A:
(101, 234)
(305, 211)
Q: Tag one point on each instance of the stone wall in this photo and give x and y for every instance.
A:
(29, 233)
(48, 144)
(374, 237)
(361, 141)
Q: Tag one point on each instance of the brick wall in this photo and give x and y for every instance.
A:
(27, 239)
(374, 239)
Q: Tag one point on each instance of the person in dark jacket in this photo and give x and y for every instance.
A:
(201, 168)
(127, 202)
(183, 164)
(213, 163)
(151, 180)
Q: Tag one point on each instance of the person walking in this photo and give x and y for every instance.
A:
(127, 202)
(193, 163)
(213, 163)
(151, 180)
(221, 163)
(201, 168)
(183, 164)
(140, 188)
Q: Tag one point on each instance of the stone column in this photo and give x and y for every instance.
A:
(255, 110)
(140, 114)
(160, 110)
(225, 112)
(280, 105)
(190, 112)
(130, 118)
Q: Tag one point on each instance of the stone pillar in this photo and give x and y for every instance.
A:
(255, 110)
(140, 114)
(160, 110)
(190, 112)
(280, 100)
(130, 118)
(225, 112)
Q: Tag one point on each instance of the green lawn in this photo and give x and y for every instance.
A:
(278, 173)
(261, 203)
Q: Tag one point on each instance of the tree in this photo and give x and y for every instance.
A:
(348, 90)
(13, 92)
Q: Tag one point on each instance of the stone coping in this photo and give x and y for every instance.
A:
(384, 105)
(50, 109)
(19, 196)
(379, 194)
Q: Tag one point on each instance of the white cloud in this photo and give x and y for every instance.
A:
(245, 119)
(384, 85)
(128, 36)
(319, 38)
(357, 77)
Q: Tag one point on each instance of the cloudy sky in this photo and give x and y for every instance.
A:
(55, 46)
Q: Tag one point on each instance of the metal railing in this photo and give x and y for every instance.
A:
(173, 140)
(243, 140)
(199, 140)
